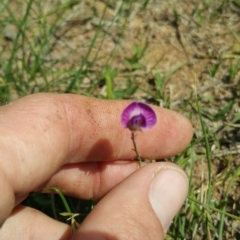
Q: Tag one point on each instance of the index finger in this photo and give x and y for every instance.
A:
(42, 132)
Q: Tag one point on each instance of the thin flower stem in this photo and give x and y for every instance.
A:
(139, 159)
(61, 196)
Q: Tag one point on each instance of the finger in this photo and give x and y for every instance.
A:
(42, 132)
(50, 129)
(26, 224)
(91, 180)
(140, 207)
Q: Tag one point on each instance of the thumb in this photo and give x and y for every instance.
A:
(140, 207)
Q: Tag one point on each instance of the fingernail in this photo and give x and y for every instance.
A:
(167, 193)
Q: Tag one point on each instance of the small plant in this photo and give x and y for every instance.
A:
(138, 116)
(71, 216)
(133, 62)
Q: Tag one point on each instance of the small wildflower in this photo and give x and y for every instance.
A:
(138, 116)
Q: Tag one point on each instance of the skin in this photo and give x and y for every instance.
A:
(78, 145)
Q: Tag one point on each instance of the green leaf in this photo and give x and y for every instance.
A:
(220, 114)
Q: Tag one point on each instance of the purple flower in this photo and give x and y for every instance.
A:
(138, 116)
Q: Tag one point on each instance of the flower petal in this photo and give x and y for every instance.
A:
(138, 116)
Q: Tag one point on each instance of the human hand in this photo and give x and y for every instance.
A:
(78, 145)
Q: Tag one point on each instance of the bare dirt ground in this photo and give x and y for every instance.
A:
(188, 35)
(200, 40)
